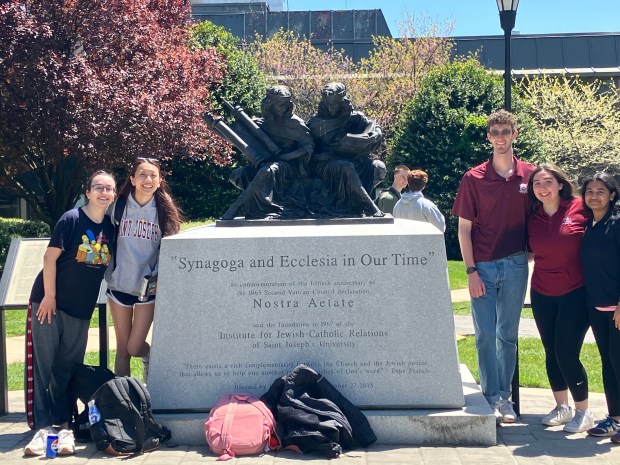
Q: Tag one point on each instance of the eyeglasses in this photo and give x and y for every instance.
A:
(153, 161)
(102, 188)
(503, 132)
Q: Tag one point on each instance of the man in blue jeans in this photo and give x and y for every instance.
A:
(492, 204)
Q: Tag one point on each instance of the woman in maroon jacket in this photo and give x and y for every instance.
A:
(555, 229)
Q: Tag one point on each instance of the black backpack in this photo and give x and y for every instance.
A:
(85, 380)
(127, 425)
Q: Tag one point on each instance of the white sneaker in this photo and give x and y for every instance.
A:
(66, 442)
(38, 443)
(560, 415)
(507, 411)
(582, 421)
(497, 413)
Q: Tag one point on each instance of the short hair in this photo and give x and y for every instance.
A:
(401, 168)
(566, 192)
(416, 180)
(502, 117)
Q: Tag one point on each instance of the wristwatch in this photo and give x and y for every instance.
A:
(471, 269)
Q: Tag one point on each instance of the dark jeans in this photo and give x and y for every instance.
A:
(562, 322)
(58, 347)
(608, 341)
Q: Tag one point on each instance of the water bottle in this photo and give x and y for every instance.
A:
(94, 416)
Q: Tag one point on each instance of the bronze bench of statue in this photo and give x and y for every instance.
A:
(286, 176)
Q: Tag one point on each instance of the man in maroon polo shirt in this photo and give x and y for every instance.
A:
(492, 204)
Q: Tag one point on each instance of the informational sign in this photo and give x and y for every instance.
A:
(23, 264)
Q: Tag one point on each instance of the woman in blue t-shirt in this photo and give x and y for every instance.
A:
(62, 302)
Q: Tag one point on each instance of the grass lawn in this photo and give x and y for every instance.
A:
(15, 371)
(15, 321)
(532, 371)
(196, 223)
(531, 364)
(458, 277)
(463, 308)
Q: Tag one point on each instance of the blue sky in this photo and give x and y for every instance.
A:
(480, 17)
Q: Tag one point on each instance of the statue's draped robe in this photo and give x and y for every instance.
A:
(342, 160)
(277, 186)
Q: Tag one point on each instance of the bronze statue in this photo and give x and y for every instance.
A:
(278, 146)
(345, 140)
(285, 178)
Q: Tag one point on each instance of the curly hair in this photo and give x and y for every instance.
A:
(502, 117)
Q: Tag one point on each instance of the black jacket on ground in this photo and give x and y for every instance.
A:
(314, 416)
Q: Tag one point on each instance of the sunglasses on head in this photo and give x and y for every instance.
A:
(153, 161)
(503, 132)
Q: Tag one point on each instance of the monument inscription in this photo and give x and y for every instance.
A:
(234, 313)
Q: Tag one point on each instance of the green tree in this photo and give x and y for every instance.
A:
(202, 187)
(243, 82)
(579, 122)
(443, 131)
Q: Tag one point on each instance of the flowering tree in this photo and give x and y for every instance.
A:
(392, 74)
(293, 61)
(579, 122)
(93, 84)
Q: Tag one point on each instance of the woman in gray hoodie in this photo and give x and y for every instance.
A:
(143, 213)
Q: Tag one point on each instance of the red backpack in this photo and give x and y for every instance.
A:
(240, 425)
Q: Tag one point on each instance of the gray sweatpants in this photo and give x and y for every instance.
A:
(57, 348)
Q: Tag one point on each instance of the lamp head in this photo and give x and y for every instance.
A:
(507, 5)
(507, 13)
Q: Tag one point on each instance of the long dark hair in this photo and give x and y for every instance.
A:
(168, 214)
(609, 182)
(566, 192)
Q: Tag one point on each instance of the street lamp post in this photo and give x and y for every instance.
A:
(507, 16)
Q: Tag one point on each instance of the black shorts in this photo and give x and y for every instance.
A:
(127, 300)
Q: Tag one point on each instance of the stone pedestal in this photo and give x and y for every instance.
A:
(366, 304)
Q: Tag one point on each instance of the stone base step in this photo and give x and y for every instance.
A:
(472, 425)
